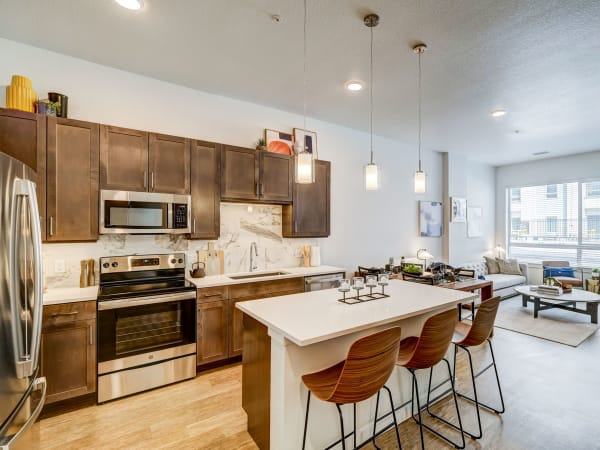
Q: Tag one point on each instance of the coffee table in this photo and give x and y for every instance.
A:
(568, 302)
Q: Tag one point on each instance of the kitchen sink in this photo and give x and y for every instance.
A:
(257, 275)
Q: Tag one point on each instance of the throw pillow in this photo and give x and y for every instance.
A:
(550, 271)
(492, 265)
(509, 266)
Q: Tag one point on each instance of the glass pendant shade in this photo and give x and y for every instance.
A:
(371, 177)
(420, 182)
(304, 167)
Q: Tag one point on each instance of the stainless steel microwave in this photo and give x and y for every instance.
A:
(144, 213)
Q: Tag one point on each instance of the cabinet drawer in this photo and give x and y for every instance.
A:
(212, 294)
(68, 312)
(263, 289)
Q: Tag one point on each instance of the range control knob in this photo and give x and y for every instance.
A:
(173, 261)
(115, 264)
(105, 265)
(180, 260)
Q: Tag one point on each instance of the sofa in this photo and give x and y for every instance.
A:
(504, 284)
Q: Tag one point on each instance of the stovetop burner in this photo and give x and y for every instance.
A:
(142, 275)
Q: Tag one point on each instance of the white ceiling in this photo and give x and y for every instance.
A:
(539, 59)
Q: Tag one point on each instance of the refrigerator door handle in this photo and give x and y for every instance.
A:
(26, 359)
(39, 383)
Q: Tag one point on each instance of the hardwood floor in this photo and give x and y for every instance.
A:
(551, 393)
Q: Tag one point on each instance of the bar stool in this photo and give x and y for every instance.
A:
(363, 373)
(424, 352)
(471, 336)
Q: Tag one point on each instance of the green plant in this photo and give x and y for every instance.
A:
(260, 143)
(597, 270)
(412, 268)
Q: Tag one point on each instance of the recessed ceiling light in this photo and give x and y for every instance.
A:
(354, 85)
(498, 113)
(130, 4)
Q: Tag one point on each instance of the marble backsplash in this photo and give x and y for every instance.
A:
(240, 226)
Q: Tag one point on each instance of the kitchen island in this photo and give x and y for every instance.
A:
(287, 337)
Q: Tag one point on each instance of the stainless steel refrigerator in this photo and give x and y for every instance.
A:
(22, 391)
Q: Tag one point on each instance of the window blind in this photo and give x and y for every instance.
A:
(555, 222)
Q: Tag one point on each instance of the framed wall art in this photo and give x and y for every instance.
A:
(309, 138)
(279, 142)
(458, 209)
(430, 219)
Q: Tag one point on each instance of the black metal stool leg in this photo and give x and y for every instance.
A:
(354, 419)
(375, 421)
(394, 416)
(341, 426)
(497, 379)
(474, 394)
(306, 421)
(419, 422)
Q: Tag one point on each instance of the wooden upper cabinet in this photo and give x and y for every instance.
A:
(169, 164)
(72, 180)
(22, 135)
(240, 173)
(123, 159)
(309, 214)
(276, 177)
(206, 189)
(255, 176)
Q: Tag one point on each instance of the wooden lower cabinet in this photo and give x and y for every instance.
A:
(212, 331)
(220, 323)
(68, 350)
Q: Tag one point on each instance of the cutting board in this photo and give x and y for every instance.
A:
(209, 256)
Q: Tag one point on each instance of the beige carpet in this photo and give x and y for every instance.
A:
(556, 325)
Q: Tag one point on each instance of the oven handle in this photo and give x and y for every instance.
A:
(150, 300)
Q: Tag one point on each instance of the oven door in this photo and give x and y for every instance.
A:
(143, 213)
(145, 330)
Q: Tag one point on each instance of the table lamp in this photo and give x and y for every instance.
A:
(423, 254)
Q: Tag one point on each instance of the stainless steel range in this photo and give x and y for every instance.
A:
(146, 324)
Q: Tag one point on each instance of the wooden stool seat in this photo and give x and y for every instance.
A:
(479, 332)
(424, 352)
(368, 365)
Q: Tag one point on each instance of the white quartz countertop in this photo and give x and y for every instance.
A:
(317, 316)
(292, 272)
(70, 294)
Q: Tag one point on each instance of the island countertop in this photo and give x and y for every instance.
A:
(312, 317)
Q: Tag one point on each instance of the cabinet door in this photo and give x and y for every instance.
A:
(212, 331)
(23, 136)
(123, 159)
(239, 174)
(206, 190)
(68, 359)
(169, 164)
(72, 180)
(276, 177)
(236, 329)
(309, 214)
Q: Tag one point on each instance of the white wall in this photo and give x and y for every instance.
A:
(474, 182)
(582, 166)
(366, 227)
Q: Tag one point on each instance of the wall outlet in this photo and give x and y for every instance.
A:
(59, 266)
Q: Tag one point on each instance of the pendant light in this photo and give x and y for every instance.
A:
(420, 177)
(371, 169)
(304, 161)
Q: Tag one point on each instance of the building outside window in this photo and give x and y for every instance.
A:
(551, 191)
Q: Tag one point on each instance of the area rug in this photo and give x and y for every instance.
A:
(556, 325)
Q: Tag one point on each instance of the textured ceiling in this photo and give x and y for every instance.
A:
(539, 59)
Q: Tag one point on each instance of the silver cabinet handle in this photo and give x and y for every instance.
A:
(145, 179)
(71, 313)
(51, 226)
(257, 189)
(295, 226)
(152, 180)
(194, 226)
(91, 335)
(262, 189)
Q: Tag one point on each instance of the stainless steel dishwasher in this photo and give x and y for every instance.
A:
(319, 282)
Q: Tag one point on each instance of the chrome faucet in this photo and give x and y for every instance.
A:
(253, 264)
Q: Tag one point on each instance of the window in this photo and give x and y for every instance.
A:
(556, 222)
(515, 194)
(592, 189)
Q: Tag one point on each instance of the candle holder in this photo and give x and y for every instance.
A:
(358, 283)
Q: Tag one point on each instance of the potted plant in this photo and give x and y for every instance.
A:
(413, 269)
(261, 144)
(596, 273)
